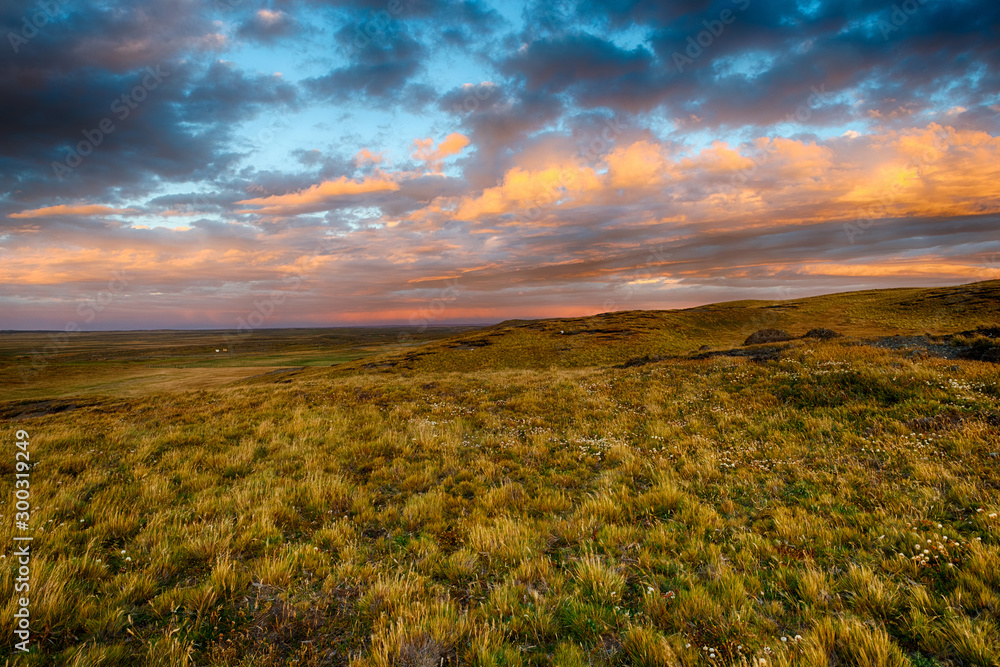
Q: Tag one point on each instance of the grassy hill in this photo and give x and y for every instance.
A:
(614, 338)
(524, 495)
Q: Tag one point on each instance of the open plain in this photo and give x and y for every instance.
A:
(634, 488)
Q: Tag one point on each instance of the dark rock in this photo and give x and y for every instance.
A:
(821, 333)
(641, 361)
(767, 336)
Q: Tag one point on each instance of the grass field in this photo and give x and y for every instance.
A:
(45, 366)
(590, 491)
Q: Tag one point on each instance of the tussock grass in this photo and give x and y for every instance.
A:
(835, 505)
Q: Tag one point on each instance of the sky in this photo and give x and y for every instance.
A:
(227, 163)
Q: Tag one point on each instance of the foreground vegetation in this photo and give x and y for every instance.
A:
(826, 503)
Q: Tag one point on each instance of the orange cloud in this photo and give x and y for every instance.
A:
(638, 165)
(718, 159)
(529, 190)
(80, 209)
(317, 197)
(365, 156)
(270, 18)
(930, 171)
(426, 152)
(882, 270)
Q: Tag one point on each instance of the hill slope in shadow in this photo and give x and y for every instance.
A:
(615, 338)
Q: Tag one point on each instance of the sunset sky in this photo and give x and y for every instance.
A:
(187, 163)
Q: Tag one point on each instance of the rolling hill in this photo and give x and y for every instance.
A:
(615, 338)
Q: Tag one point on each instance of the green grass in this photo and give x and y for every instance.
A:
(435, 511)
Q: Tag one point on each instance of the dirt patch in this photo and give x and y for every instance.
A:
(471, 344)
(952, 419)
(641, 361)
(914, 343)
(32, 410)
(758, 354)
(381, 365)
(942, 422)
(822, 334)
(278, 371)
(767, 336)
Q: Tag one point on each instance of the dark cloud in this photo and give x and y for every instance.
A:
(99, 102)
(552, 65)
(227, 94)
(734, 62)
(379, 67)
(498, 124)
(268, 26)
(95, 132)
(598, 78)
(69, 36)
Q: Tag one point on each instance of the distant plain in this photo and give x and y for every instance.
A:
(632, 488)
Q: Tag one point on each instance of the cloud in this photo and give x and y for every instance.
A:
(581, 157)
(425, 151)
(555, 64)
(914, 268)
(365, 156)
(268, 26)
(319, 197)
(931, 171)
(64, 210)
(377, 69)
(227, 93)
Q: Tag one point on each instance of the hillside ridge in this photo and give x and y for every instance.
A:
(616, 337)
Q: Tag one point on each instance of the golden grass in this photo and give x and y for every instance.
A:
(836, 505)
